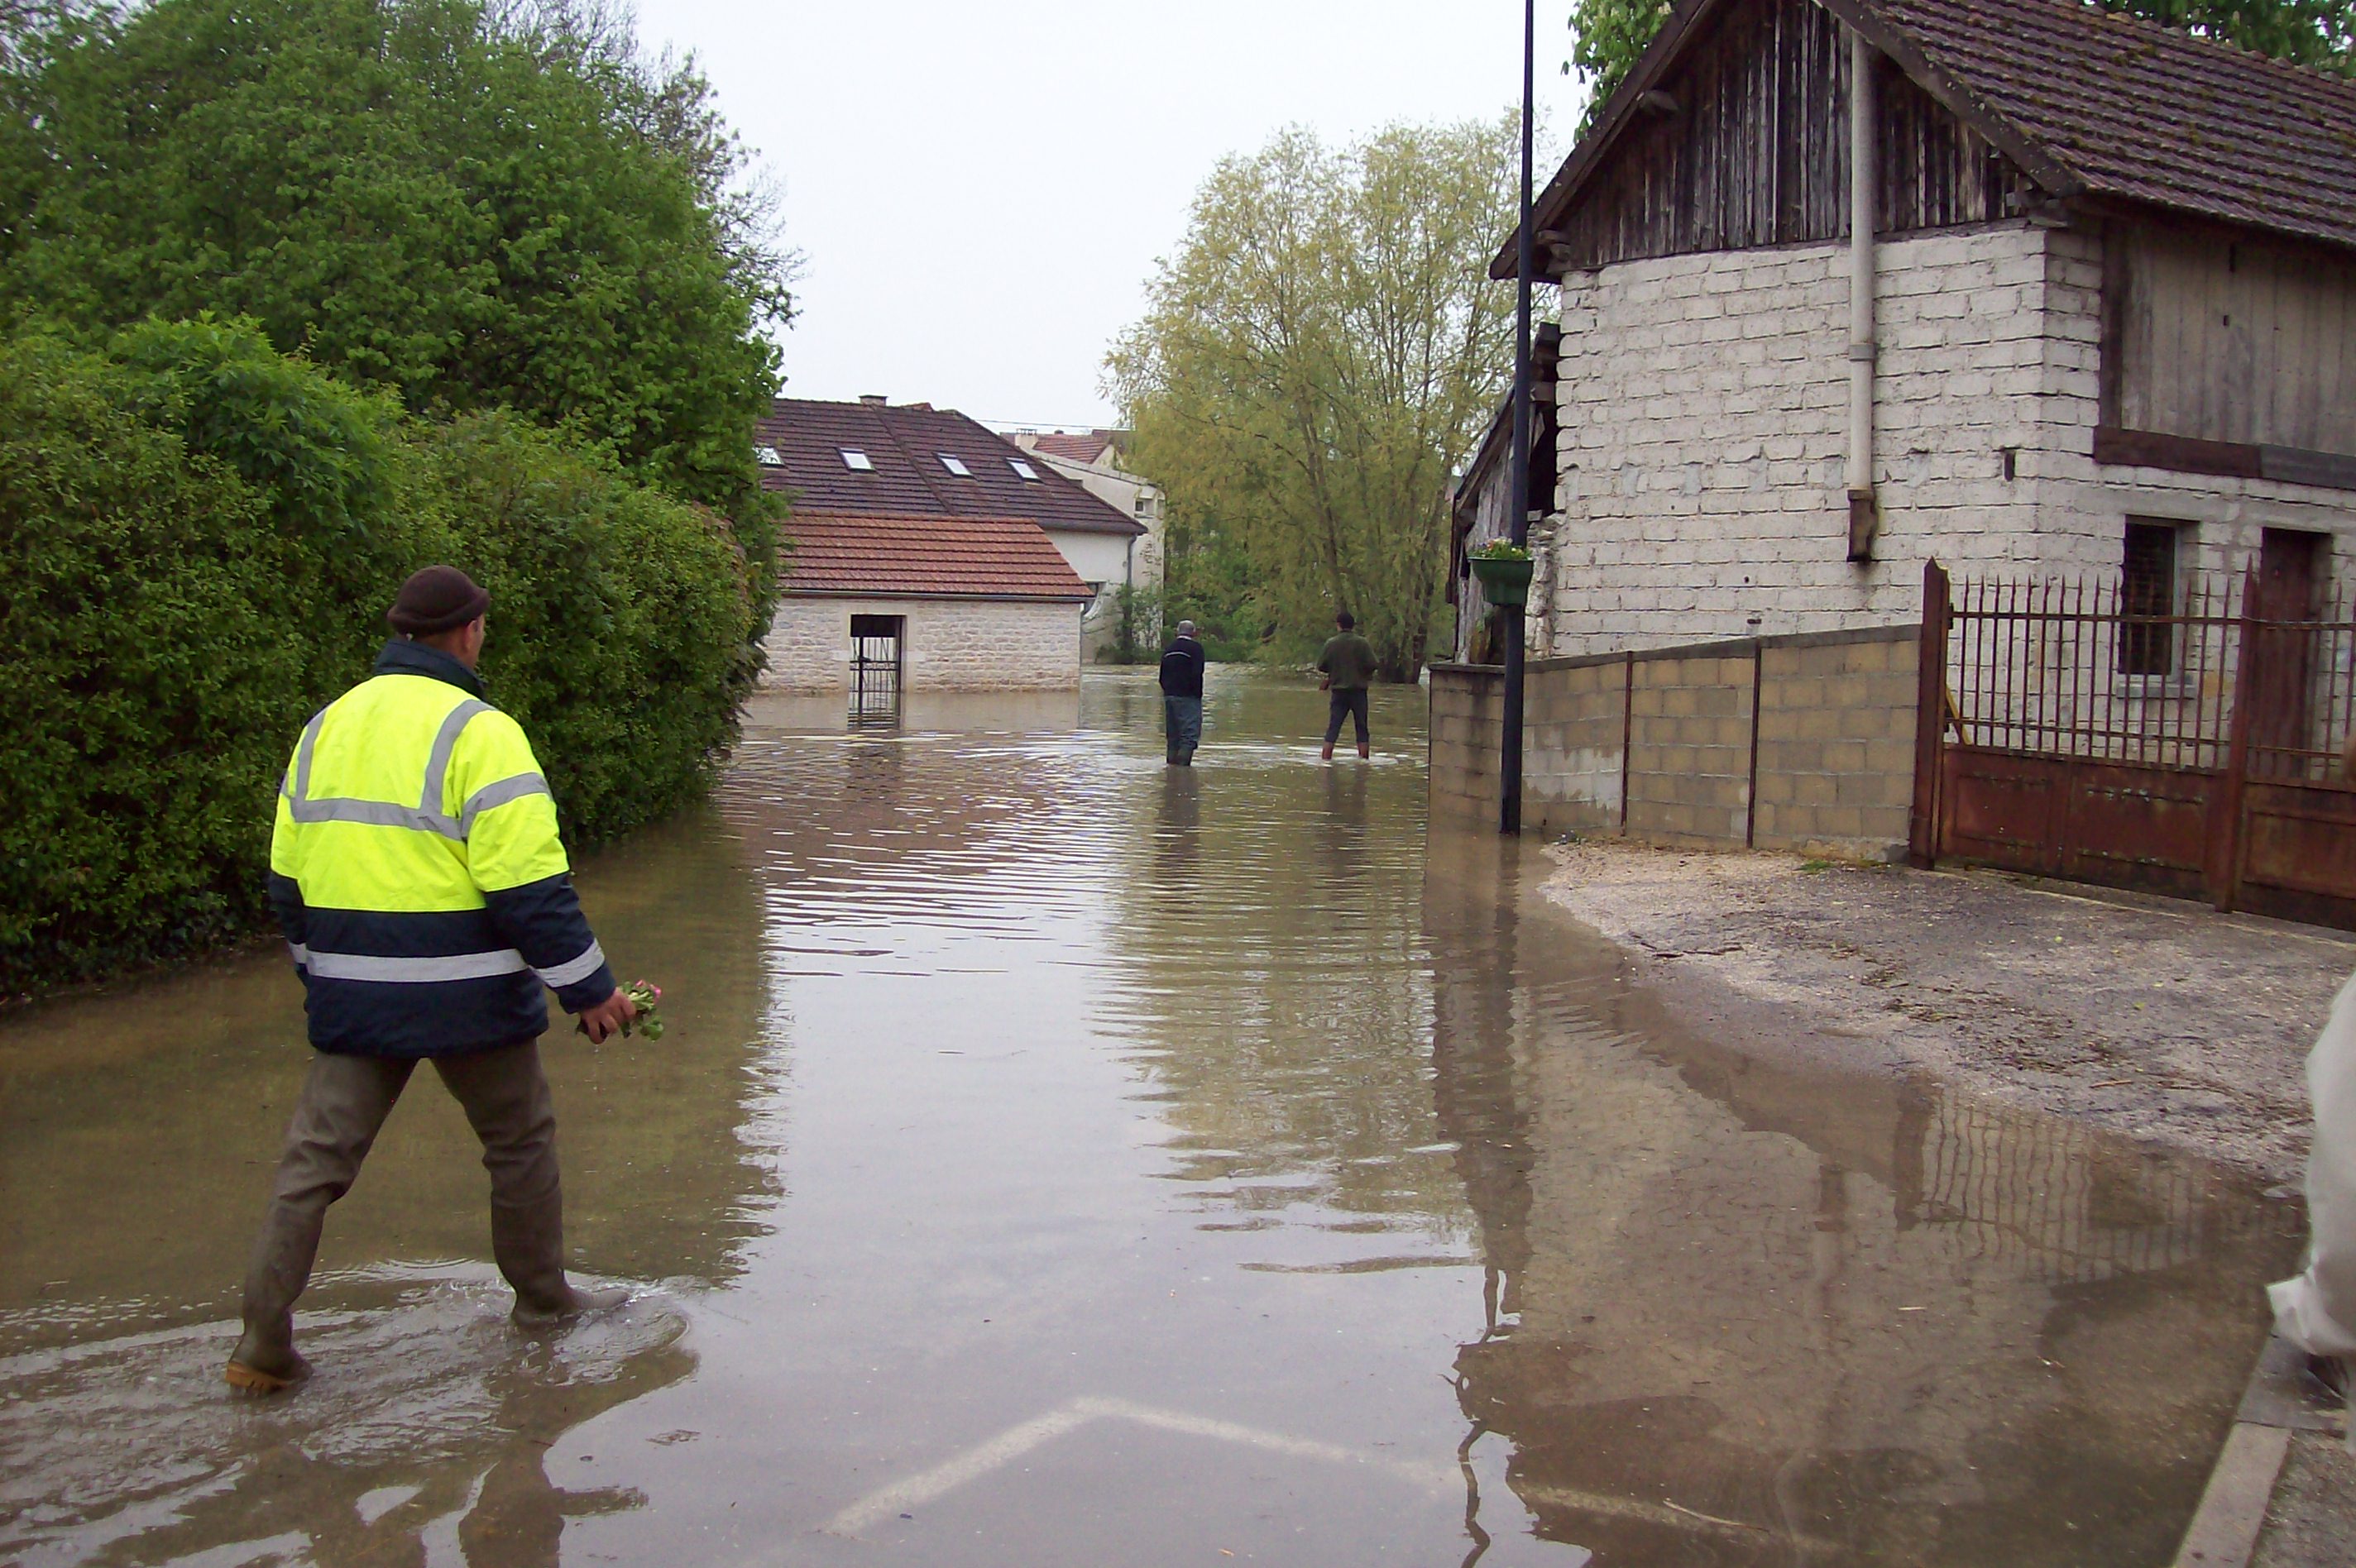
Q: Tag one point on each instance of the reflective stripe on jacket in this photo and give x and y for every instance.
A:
(416, 869)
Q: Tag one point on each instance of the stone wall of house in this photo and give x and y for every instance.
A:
(1703, 430)
(949, 645)
(1804, 743)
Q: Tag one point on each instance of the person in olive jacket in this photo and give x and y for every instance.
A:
(1348, 663)
(1182, 695)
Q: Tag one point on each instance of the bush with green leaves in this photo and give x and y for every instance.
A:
(619, 617)
(199, 538)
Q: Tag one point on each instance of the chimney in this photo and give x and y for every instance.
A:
(874, 400)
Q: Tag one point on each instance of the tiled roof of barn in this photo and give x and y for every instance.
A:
(906, 443)
(2089, 103)
(2130, 109)
(927, 556)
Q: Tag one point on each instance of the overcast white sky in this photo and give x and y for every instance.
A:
(981, 188)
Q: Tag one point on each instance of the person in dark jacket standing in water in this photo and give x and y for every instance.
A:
(416, 870)
(1182, 695)
(1348, 662)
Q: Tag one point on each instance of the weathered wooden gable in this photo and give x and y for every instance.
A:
(1745, 144)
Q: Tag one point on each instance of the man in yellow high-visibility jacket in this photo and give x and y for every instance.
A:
(416, 870)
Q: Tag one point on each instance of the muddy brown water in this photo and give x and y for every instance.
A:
(1060, 1159)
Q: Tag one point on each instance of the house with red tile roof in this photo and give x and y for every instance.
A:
(928, 554)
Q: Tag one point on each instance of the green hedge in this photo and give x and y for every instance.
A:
(197, 540)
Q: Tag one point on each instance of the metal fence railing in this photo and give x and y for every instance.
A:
(2177, 734)
(2093, 669)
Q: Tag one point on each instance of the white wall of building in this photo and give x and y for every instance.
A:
(1701, 492)
(1096, 558)
(949, 645)
(1143, 556)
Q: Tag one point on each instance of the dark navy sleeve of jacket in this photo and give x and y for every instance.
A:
(543, 921)
(293, 919)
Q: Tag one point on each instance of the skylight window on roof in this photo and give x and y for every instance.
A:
(956, 466)
(767, 457)
(1022, 470)
(856, 460)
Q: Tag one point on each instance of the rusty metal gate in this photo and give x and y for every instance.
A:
(875, 655)
(2177, 735)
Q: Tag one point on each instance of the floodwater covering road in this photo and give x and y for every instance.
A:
(1057, 1158)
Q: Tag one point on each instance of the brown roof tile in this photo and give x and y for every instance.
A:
(2132, 110)
(1086, 447)
(2089, 102)
(904, 443)
(927, 557)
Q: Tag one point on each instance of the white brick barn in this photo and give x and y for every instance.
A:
(2107, 318)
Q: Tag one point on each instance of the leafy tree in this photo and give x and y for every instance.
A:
(472, 209)
(1312, 366)
(1609, 35)
(2320, 33)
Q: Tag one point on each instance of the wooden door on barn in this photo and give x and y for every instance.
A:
(2283, 653)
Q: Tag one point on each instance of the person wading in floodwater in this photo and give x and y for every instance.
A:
(1182, 696)
(1348, 663)
(416, 872)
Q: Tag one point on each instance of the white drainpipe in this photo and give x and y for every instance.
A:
(1864, 511)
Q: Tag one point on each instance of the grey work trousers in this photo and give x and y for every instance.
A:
(344, 1103)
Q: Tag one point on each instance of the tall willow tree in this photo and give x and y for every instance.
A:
(1316, 360)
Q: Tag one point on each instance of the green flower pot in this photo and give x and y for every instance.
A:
(1504, 582)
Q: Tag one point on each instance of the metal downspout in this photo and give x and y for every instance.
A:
(1863, 509)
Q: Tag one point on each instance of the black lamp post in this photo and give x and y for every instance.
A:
(1509, 771)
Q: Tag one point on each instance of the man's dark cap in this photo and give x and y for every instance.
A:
(438, 599)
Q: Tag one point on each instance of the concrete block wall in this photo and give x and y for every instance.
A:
(1574, 728)
(1836, 771)
(1467, 730)
(949, 645)
(1804, 743)
(1688, 766)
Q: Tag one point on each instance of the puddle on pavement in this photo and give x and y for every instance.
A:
(1057, 1158)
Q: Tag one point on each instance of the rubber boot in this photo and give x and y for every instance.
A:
(528, 1243)
(265, 1360)
(1327, 754)
(1365, 751)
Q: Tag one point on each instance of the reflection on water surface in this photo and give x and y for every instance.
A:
(1057, 1157)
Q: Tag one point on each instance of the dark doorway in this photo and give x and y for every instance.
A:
(875, 645)
(2291, 567)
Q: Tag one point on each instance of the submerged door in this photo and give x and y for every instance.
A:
(875, 645)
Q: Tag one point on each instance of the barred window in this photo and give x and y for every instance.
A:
(2148, 589)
